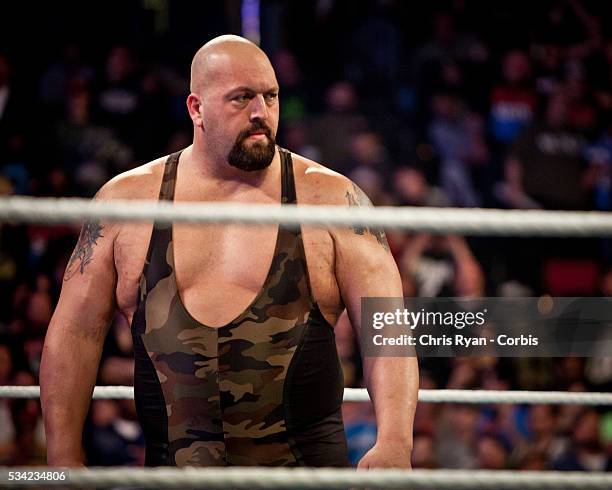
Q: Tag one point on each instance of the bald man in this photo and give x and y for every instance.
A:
(235, 360)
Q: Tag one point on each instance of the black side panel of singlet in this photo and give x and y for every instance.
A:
(314, 385)
(149, 397)
(150, 406)
(313, 397)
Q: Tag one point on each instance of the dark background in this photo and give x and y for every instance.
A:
(420, 103)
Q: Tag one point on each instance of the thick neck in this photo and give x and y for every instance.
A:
(199, 179)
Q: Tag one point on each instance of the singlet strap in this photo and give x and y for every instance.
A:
(166, 191)
(161, 235)
(288, 194)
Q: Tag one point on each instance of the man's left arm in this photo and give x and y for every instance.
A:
(365, 268)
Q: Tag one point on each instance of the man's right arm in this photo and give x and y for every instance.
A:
(74, 341)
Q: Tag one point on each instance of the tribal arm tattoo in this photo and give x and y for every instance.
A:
(359, 198)
(83, 252)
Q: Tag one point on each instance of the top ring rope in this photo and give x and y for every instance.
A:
(473, 221)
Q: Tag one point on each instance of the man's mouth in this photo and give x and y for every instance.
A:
(258, 135)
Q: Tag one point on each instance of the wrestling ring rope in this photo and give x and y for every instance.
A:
(472, 221)
(361, 395)
(432, 220)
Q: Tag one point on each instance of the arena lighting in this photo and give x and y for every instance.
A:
(250, 20)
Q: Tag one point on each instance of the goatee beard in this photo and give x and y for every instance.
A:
(255, 157)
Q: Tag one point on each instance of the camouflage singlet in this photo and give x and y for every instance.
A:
(265, 389)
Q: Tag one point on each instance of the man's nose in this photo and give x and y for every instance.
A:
(259, 109)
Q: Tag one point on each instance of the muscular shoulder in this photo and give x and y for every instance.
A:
(317, 184)
(142, 182)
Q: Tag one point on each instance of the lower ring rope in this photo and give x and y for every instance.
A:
(361, 395)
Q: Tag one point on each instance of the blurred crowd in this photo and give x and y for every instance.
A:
(448, 117)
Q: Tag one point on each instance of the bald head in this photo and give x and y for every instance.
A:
(221, 53)
(234, 103)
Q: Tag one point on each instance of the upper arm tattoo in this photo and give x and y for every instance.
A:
(83, 252)
(358, 198)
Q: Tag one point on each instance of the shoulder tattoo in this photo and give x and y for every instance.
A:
(357, 197)
(83, 252)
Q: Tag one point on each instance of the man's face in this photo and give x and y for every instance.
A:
(240, 109)
(254, 147)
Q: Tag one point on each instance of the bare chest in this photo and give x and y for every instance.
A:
(219, 269)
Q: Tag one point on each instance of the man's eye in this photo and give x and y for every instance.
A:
(241, 98)
(271, 96)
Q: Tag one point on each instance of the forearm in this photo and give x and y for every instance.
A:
(393, 383)
(514, 173)
(459, 248)
(67, 376)
(364, 268)
(414, 248)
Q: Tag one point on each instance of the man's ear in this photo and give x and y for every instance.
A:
(194, 106)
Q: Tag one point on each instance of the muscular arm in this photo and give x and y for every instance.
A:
(366, 268)
(74, 341)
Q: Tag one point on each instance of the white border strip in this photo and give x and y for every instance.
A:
(310, 478)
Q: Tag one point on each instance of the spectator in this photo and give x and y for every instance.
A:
(457, 437)
(545, 167)
(598, 368)
(586, 453)
(152, 117)
(29, 432)
(360, 427)
(542, 436)
(117, 364)
(290, 80)
(118, 99)
(375, 60)
(599, 157)
(111, 439)
(458, 137)
(442, 58)
(492, 453)
(93, 151)
(413, 189)
(513, 101)
(440, 266)
(61, 74)
(15, 145)
(582, 109)
(341, 114)
(296, 139)
(424, 452)
(368, 165)
(599, 73)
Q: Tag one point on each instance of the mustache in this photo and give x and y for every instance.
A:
(256, 127)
